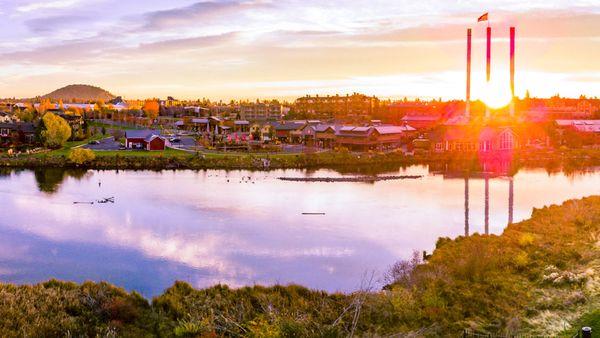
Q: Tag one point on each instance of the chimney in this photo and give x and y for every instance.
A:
(488, 59)
(468, 99)
(512, 71)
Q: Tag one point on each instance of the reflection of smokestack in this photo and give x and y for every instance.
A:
(487, 205)
(488, 65)
(511, 200)
(512, 70)
(466, 205)
(468, 101)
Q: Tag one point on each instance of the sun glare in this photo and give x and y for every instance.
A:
(497, 95)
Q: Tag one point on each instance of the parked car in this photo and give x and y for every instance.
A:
(94, 142)
(175, 140)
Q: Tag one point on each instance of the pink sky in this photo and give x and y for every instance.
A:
(286, 49)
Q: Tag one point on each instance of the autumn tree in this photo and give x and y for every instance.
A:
(151, 109)
(44, 106)
(56, 131)
(26, 115)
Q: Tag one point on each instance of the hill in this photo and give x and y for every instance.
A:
(80, 92)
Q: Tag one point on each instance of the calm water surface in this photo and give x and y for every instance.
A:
(244, 228)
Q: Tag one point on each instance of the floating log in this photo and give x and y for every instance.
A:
(314, 213)
(350, 179)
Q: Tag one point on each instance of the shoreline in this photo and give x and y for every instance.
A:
(552, 160)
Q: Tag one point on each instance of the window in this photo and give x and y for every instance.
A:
(438, 146)
(4, 132)
(485, 146)
(506, 141)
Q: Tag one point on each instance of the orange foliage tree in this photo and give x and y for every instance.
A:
(151, 109)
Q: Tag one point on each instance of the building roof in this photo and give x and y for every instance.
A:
(287, 125)
(393, 129)
(152, 137)
(144, 133)
(320, 128)
(241, 123)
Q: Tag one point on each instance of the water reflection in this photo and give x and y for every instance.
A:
(243, 227)
(49, 179)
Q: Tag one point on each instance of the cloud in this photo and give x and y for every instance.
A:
(55, 23)
(190, 43)
(57, 4)
(199, 13)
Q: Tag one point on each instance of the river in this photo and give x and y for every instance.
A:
(244, 228)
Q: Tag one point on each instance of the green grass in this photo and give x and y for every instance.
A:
(110, 126)
(591, 319)
(169, 152)
(64, 151)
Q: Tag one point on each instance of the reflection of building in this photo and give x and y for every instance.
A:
(511, 199)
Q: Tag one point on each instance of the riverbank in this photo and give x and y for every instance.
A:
(377, 162)
(539, 277)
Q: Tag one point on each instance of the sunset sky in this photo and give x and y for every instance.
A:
(285, 49)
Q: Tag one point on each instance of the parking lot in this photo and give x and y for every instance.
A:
(104, 144)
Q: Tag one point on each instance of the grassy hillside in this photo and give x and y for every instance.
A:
(539, 277)
(81, 92)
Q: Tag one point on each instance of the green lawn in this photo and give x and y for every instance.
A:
(169, 152)
(110, 126)
(64, 151)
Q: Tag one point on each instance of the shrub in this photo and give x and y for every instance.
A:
(81, 156)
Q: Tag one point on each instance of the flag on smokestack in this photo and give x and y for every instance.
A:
(484, 17)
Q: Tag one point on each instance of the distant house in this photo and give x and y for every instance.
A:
(17, 133)
(468, 139)
(324, 135)
(421, 122)
(5, 117)
(285, 131)
(584, 126)
(241, 126)
(373, 137)
(145, 139)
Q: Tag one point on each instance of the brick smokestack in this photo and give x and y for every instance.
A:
(468, 99)
(488, 58)
(512, 70)
(488, 55)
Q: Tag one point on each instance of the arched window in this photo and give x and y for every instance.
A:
(506, 141)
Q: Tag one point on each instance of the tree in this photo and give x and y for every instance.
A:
(56, 131)
(44, 106)
(26, 115)
(81, 156)
(151, 109)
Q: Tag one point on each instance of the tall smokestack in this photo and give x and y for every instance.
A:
(468, 100)
(512, 71)
(488, 55)
(488, 65)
